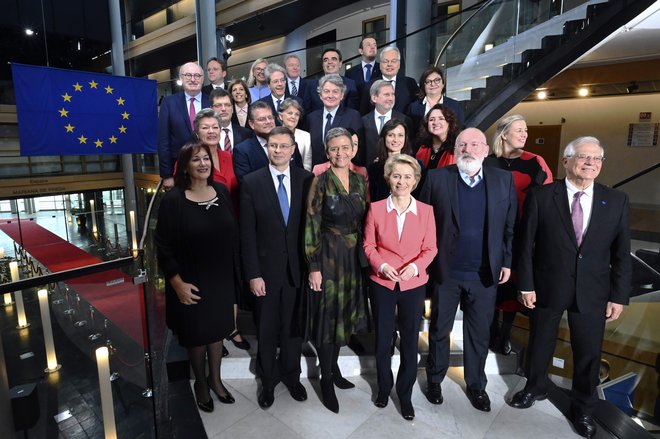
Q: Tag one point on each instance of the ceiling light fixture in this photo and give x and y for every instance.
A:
(542, 95)
(583, 91)
(29, 32)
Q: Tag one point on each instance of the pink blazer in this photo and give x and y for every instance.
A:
(417, 244)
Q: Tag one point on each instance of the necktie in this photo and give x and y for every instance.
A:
(367, 73)
(284, 201)
(577, 217)
(192, 113)
(279, 101)
(382, 122)
(294, 89)
(227, 146)
(473, 179)
(328, 124)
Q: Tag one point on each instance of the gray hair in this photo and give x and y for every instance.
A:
(204, 113)
(403, 159)
(288, 103)
(569, 151)
(289, 56)
(332, 78)
(272, 68)
(377, 85)
(390, 49)
(503, 128)
(333, 133)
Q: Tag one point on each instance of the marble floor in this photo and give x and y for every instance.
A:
(359, 418)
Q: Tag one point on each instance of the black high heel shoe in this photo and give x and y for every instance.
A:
(243, 344)
(328, 394)
(204, 406)
(227, 399)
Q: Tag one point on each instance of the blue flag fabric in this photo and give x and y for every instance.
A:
(68, 112)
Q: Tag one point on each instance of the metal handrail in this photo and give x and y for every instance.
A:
(637, 175)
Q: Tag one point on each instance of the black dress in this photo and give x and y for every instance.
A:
(199, 241)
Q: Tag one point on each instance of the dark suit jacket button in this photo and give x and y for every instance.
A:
(580, 256)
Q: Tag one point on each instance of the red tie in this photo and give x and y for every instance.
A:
(192, 113)
(227, 141)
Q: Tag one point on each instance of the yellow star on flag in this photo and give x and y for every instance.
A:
(113, 139)
(69, 128)
(93, 84)
(66, 97)
(108, 90)
(120, 101)
(98, 143)
(82, 139)
(122, 129)
(77, 86)
(125, 115)
(64, 113)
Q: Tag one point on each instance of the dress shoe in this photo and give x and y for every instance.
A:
(266, 398)
(243, 344)
(298, 392)
(342, 382)
(225, 352)
(585, 426)
(434, 393)
(505, 347)
(227, 399)
(205, 406)
(407, 411)
(382, 399)
(479, 399)
(525, 399)
(328, 394)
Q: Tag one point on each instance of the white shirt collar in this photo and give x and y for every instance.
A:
(198, 96)
(325, 113)
(274, 172)
(412, 208)
(477, 178)
(572, 189)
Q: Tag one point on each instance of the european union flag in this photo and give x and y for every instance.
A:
(67, 112)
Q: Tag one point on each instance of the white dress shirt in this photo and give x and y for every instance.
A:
(223, 134)
(325, 115)
(400, 222)
(377, 115)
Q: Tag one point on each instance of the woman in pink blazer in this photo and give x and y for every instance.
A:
(400, 243)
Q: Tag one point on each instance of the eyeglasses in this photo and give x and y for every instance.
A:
(259, 69)
(265, 119)
(277, 146)
(190, 76)
(587, 158)
(473, 145)
(389, 61)
(436, 81)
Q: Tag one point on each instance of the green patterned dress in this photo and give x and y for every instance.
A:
(333, 246)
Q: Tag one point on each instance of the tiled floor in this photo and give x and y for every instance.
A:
(359, 418)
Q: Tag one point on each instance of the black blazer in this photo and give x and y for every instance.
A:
(248, 157)
(345, 117)
(356, 73)
(405, 92)
(174, 130)
(552, 264)
(351, 95)
(369, 147)
(441, 191)
(271, 249)
(240, 133)
(208, 88)
(416, 111)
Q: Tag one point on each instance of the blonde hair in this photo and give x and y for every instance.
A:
(402, 159)
(251, 79)
(502, 128)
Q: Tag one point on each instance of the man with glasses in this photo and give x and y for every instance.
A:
(231, 134)
(475, 210)
(175, 119)
(574, 257)
(273, 201)
(252, 154)
(405, 88)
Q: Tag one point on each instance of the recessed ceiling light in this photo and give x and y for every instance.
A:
(583, 91)
(542, 94)
(29, 32)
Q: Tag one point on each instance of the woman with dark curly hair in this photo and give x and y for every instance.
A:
(436, 137)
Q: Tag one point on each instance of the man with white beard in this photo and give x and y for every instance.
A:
(475, 210)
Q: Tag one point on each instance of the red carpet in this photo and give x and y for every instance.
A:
(123, 303)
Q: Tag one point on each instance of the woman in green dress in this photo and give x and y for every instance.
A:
(336, 304)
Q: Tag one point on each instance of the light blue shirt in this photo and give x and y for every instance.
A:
(472, 181)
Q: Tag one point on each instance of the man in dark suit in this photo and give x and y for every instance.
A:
(332, 115)
(175, 119)
(331, 59)
(216, 72)
(382, 95)
(297, 85)
(575, 257)
(368, 67)
(276, 80)
(231, 133)
(273, 202)
(475, 210)
(405, 88)
(250, 154)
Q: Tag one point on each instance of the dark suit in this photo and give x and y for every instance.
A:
(356, 73)
(174, 129)
(240, 134)
(272, 249)
(578, 279)
(417, 111)
(208, 88)
(351, 95)
(345, 117)
(306, 89)
(441, 190)
(249, 156)
(405, 92)
(269, 100)
(370, 144)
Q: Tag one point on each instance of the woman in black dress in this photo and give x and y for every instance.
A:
(199, 265)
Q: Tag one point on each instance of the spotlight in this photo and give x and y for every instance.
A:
(632, 88)
(542, 95)
(583, 91)
(229, 38)
(179, 82)
(29, 32)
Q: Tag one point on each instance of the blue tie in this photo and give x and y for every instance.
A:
(284, 201)
(328, 125)
(367, 74)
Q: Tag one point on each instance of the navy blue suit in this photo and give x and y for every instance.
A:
(174, 130)
(345, 118)
(351, 95)
(269, 100)
(416, 112)
(405, 92)
(240, 133)
(306, 90)
(248, 157)
(356, 73)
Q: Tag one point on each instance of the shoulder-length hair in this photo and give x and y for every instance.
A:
(381, 149)
(182, 178)
(423, 135)
(234, 83)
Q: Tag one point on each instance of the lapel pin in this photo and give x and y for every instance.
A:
(603, 202)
